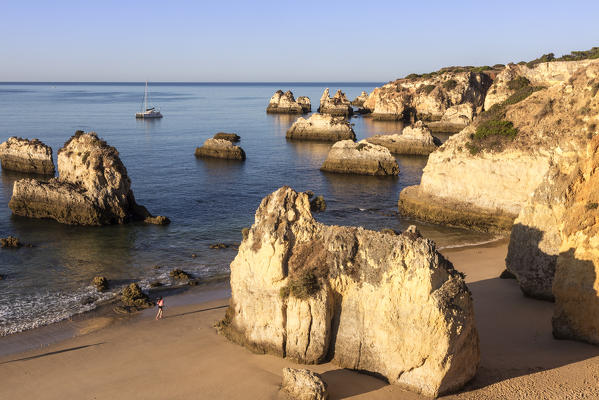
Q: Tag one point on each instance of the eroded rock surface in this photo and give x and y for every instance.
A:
(336, 105)
(303, 384)
(92, 188)
(285, 103)
(416, 139)
(321, 127)
(23, 155)
(389, 304)
(231, 137)
(220, 148)
(361, 158)
(359, 101)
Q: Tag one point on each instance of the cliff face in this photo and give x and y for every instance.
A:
(488, 174)
(321, 127)
(92, 187)
(23, 155)
(384, 303)
(431, 98)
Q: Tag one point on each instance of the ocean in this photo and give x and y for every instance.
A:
(207, 201)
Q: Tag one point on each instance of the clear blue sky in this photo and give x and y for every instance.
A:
(300, 40)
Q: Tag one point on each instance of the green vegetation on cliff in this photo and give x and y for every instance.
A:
(573, 56)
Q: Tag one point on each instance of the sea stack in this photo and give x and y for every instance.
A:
(92, 188)
(359, 101)
(362, 158)
(311, 292)
(29, 156)
(336, 105)
(285, 103)
(220, 148)
(321, 127)
(415, 139)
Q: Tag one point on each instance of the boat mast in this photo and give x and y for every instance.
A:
(146, 97)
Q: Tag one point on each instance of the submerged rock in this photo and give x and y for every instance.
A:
(318, 204)
(132, 296)
(285, 103)
(220, 148)
(416, 139)
(23, 155)
(336, 105)
(303, 384)
(359, 101)
(92, 188)
(387, 304)
(10, 242)
(231, 137)
(101, 283)
(321, 127)
(360, 158)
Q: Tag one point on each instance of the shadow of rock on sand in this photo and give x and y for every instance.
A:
(342, 383)
(516, 334)
(53, 352)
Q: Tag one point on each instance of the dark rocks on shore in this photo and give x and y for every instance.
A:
(132, 296)
(245, 232)
(101, 283)
(231, 137)
(507, 275)
(155, 284)
(220, 148)
(318, 204)
(219, 246)
(180, 275)
(92, 188)
(11, 242)
(29, 156)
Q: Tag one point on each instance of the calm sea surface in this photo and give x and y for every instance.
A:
(207, 201)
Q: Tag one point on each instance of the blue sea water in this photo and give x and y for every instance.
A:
(207, 201)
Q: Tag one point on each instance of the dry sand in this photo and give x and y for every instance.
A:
(182, 357)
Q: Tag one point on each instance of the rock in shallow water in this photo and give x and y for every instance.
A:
(361, 158)
(285, 103)
(389, 304)
(231, 137)
(416, 139)
(303, 384)
(336, 105)
(10, 242)
(23, 155)
(321, 127)
(92, 188)
(220, 148)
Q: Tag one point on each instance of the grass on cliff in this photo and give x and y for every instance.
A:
(591, 54)
(302, 286)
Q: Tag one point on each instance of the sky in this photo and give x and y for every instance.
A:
(279, 41)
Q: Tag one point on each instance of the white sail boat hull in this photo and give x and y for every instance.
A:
(149, 112)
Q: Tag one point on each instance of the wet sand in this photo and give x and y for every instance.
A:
(182, 357)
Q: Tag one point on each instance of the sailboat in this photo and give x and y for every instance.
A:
(147, 112)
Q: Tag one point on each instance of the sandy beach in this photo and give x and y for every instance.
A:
(182, 357)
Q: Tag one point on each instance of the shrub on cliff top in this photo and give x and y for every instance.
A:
(450, 84)
(518, 83)
(495, 127)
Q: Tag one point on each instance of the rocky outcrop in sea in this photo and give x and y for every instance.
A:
(415, 139)
(336, 105)
(29, 156)
(285, 103)
(359, 100)
(387, 304)
(321, 127)
(92, 188)
(220, 148)
(482, 177)
(231, 137)
(362, 158)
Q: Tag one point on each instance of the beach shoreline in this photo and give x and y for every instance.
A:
(520, 358)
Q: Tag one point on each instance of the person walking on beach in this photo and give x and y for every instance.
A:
(160, 304)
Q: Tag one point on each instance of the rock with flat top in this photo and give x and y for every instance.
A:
(23, 155)
(92, 187)
(220, 148)
(321, 127)
(387, 304)
(231, 137)
(360, 158)
(415, 139)
(303, 384)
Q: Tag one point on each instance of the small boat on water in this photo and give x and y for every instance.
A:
(147, 112)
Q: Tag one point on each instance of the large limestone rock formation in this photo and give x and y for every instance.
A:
(431, 98)
(321, 127)
(92, 188)
(220, 148)
(416, 139)
(482, 180)
(576, 282)
(388, 304)
(23, 155)
(363, 158)
(303, 384)
(285, 103)
(336, 105)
